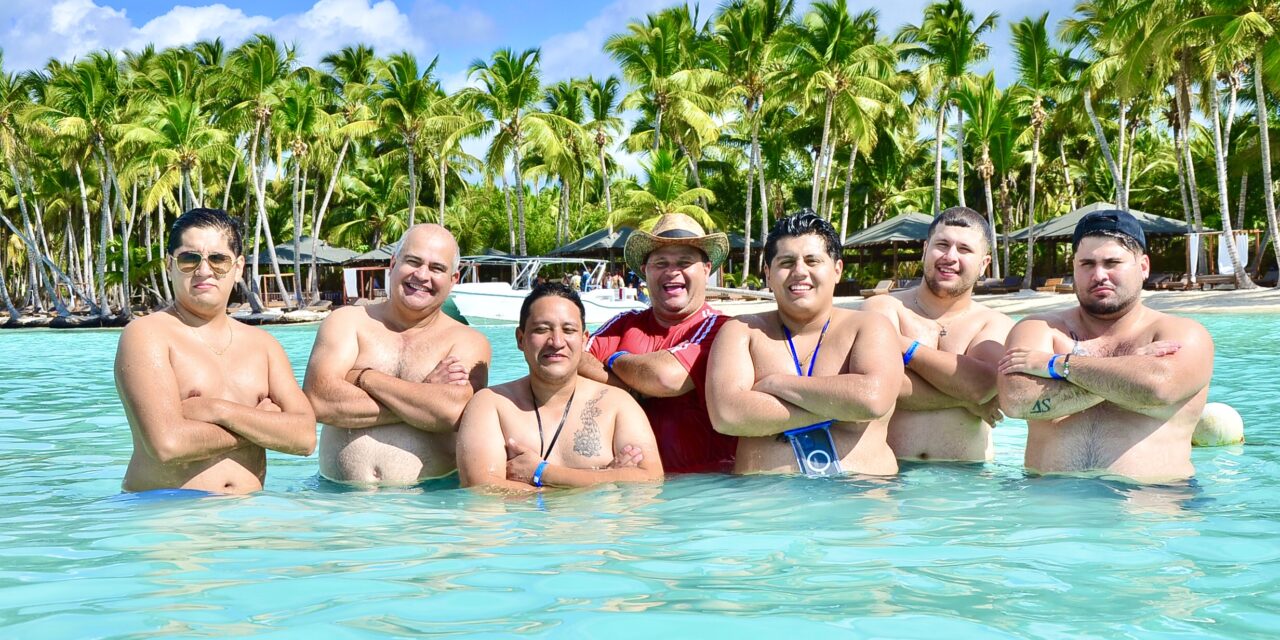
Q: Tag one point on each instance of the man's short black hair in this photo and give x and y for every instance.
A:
(962, 217)
(208, 218)
(802, 223)
(549, 289)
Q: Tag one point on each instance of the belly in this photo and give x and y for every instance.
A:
(240, 471)
(389, 455)
(1112, 441)
(948, 434)
(861, 447)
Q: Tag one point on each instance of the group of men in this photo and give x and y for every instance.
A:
(1108, 387)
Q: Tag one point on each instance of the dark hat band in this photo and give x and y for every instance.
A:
(677, 233)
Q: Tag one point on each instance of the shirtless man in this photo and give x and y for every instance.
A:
(806, 363)
(389, 381)
(950, 346)
(1110, 387)
(204, 394)
(509, 433)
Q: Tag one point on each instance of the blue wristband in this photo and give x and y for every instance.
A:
(608, 364)
(1054, 374)
(537, 473)
(911, 353)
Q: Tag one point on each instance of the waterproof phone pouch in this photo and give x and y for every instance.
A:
(815, 450)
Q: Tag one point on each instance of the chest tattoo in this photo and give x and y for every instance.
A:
(586, 442)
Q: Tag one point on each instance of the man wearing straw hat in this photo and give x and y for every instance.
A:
(660, 353)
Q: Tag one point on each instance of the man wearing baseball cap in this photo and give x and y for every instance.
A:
(1109, 387)
(660, 353)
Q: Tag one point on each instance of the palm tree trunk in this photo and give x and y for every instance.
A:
(104, 225)
(826, 180)
(604, 178)
(1180, 168)
(48, 264)
(814, 203)
(164, 278)
(231, 176)
(1264, 142)
(413, 187)
(14, 314)
(444, 174)
(126, 231)
(506, 200)
(848, 185)
(297, 232)
(515, 153)
(1122, 194)
(1031, 207)
(1193, 190)
(35, 256)
(87, 249)
(937, 156)
(991, 212)
(1224, 206)
(746, 226)
(1066, 175)
(657, 126)
(1102, 142)
(1128, 167)
(764, 194)
(1005, 219)
(960, 156)
(265, 228)
(187, 196)
(319, 217)
(1244, 188)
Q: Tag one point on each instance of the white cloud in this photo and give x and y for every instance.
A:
(581, 52)
(33, 32)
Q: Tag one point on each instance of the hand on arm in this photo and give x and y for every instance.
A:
(329, 386)
(149, 392)
(482, 455)
(736, 407)
(1157, 377)
(970, 376)
(1023, 392)
(434, 405)
(868, 392)
(282, 421)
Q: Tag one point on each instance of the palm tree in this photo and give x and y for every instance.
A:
(947, 43)
(511, 87)
(567, 99)
(303, 121)
(665, 191)
(409, 99)
(990, 116)
(602, 105)
(377, 188)
(1037, 79)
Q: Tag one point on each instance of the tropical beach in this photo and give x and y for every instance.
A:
(427, 228)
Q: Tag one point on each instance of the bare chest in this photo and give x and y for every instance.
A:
(952, 336)
(408, 356)
(585, 441)
(773, 354)
(239, 375)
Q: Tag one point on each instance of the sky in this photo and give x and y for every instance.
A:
(570, 33)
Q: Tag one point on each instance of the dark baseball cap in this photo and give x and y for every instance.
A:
(1109, 220)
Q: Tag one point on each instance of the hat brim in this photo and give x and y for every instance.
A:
(641, 243)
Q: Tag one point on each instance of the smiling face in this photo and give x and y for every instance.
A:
(954, 259)
(424, 271)
(204, 287)
(552, 338)
(677, 278)
(1108, 276)
(802, 275)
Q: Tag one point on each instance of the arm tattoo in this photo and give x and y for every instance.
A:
(1041, 406)
(586, 442)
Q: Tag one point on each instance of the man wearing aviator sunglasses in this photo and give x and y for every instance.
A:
(204, 394)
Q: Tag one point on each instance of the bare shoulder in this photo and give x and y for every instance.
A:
(611, 395)
(147, 332)
(256, 335)
(459, 333)
(861, 320)
(1171, 327)
(992, 318)
(889, 304)
(1048, 319)
(749, 323)
(346, 316)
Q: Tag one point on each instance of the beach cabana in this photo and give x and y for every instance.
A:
(600, 243)
(327, 258)
(1060, 230)
(907, 230)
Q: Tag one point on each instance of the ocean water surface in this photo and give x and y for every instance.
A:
(938, 551)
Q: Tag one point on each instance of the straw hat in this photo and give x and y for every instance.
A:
(675, 229)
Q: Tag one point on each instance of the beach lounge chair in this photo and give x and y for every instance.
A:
(1270, 279)
(322, 305)
(881, 288)
(1067, 286)
(986, 286)
(1155, 280)
(1050, 285)
(1223, 282)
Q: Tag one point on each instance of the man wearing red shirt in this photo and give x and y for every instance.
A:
(661, 353)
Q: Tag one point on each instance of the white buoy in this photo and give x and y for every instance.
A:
(1219, 425)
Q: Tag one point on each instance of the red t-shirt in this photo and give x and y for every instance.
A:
(686, 441)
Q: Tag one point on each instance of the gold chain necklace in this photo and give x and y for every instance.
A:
(231, 336)
(941, 326)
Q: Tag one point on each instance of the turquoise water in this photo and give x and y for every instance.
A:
(941, 551)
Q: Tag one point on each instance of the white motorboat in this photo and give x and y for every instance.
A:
(498, 300)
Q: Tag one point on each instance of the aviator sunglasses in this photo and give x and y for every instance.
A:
(189, 261)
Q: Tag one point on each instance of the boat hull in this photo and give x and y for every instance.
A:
(498, 303)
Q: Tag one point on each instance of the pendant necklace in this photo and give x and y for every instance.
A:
(942, 327)
(231, 336)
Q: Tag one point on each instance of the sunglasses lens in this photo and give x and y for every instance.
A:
(187, 261)
(220, 263)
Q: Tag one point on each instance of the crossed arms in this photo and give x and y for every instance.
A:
(740, 405)
(177, 430)
(434, 404)
(1151, 381)
(486, 457)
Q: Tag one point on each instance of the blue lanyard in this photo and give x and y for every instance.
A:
(813, 357)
